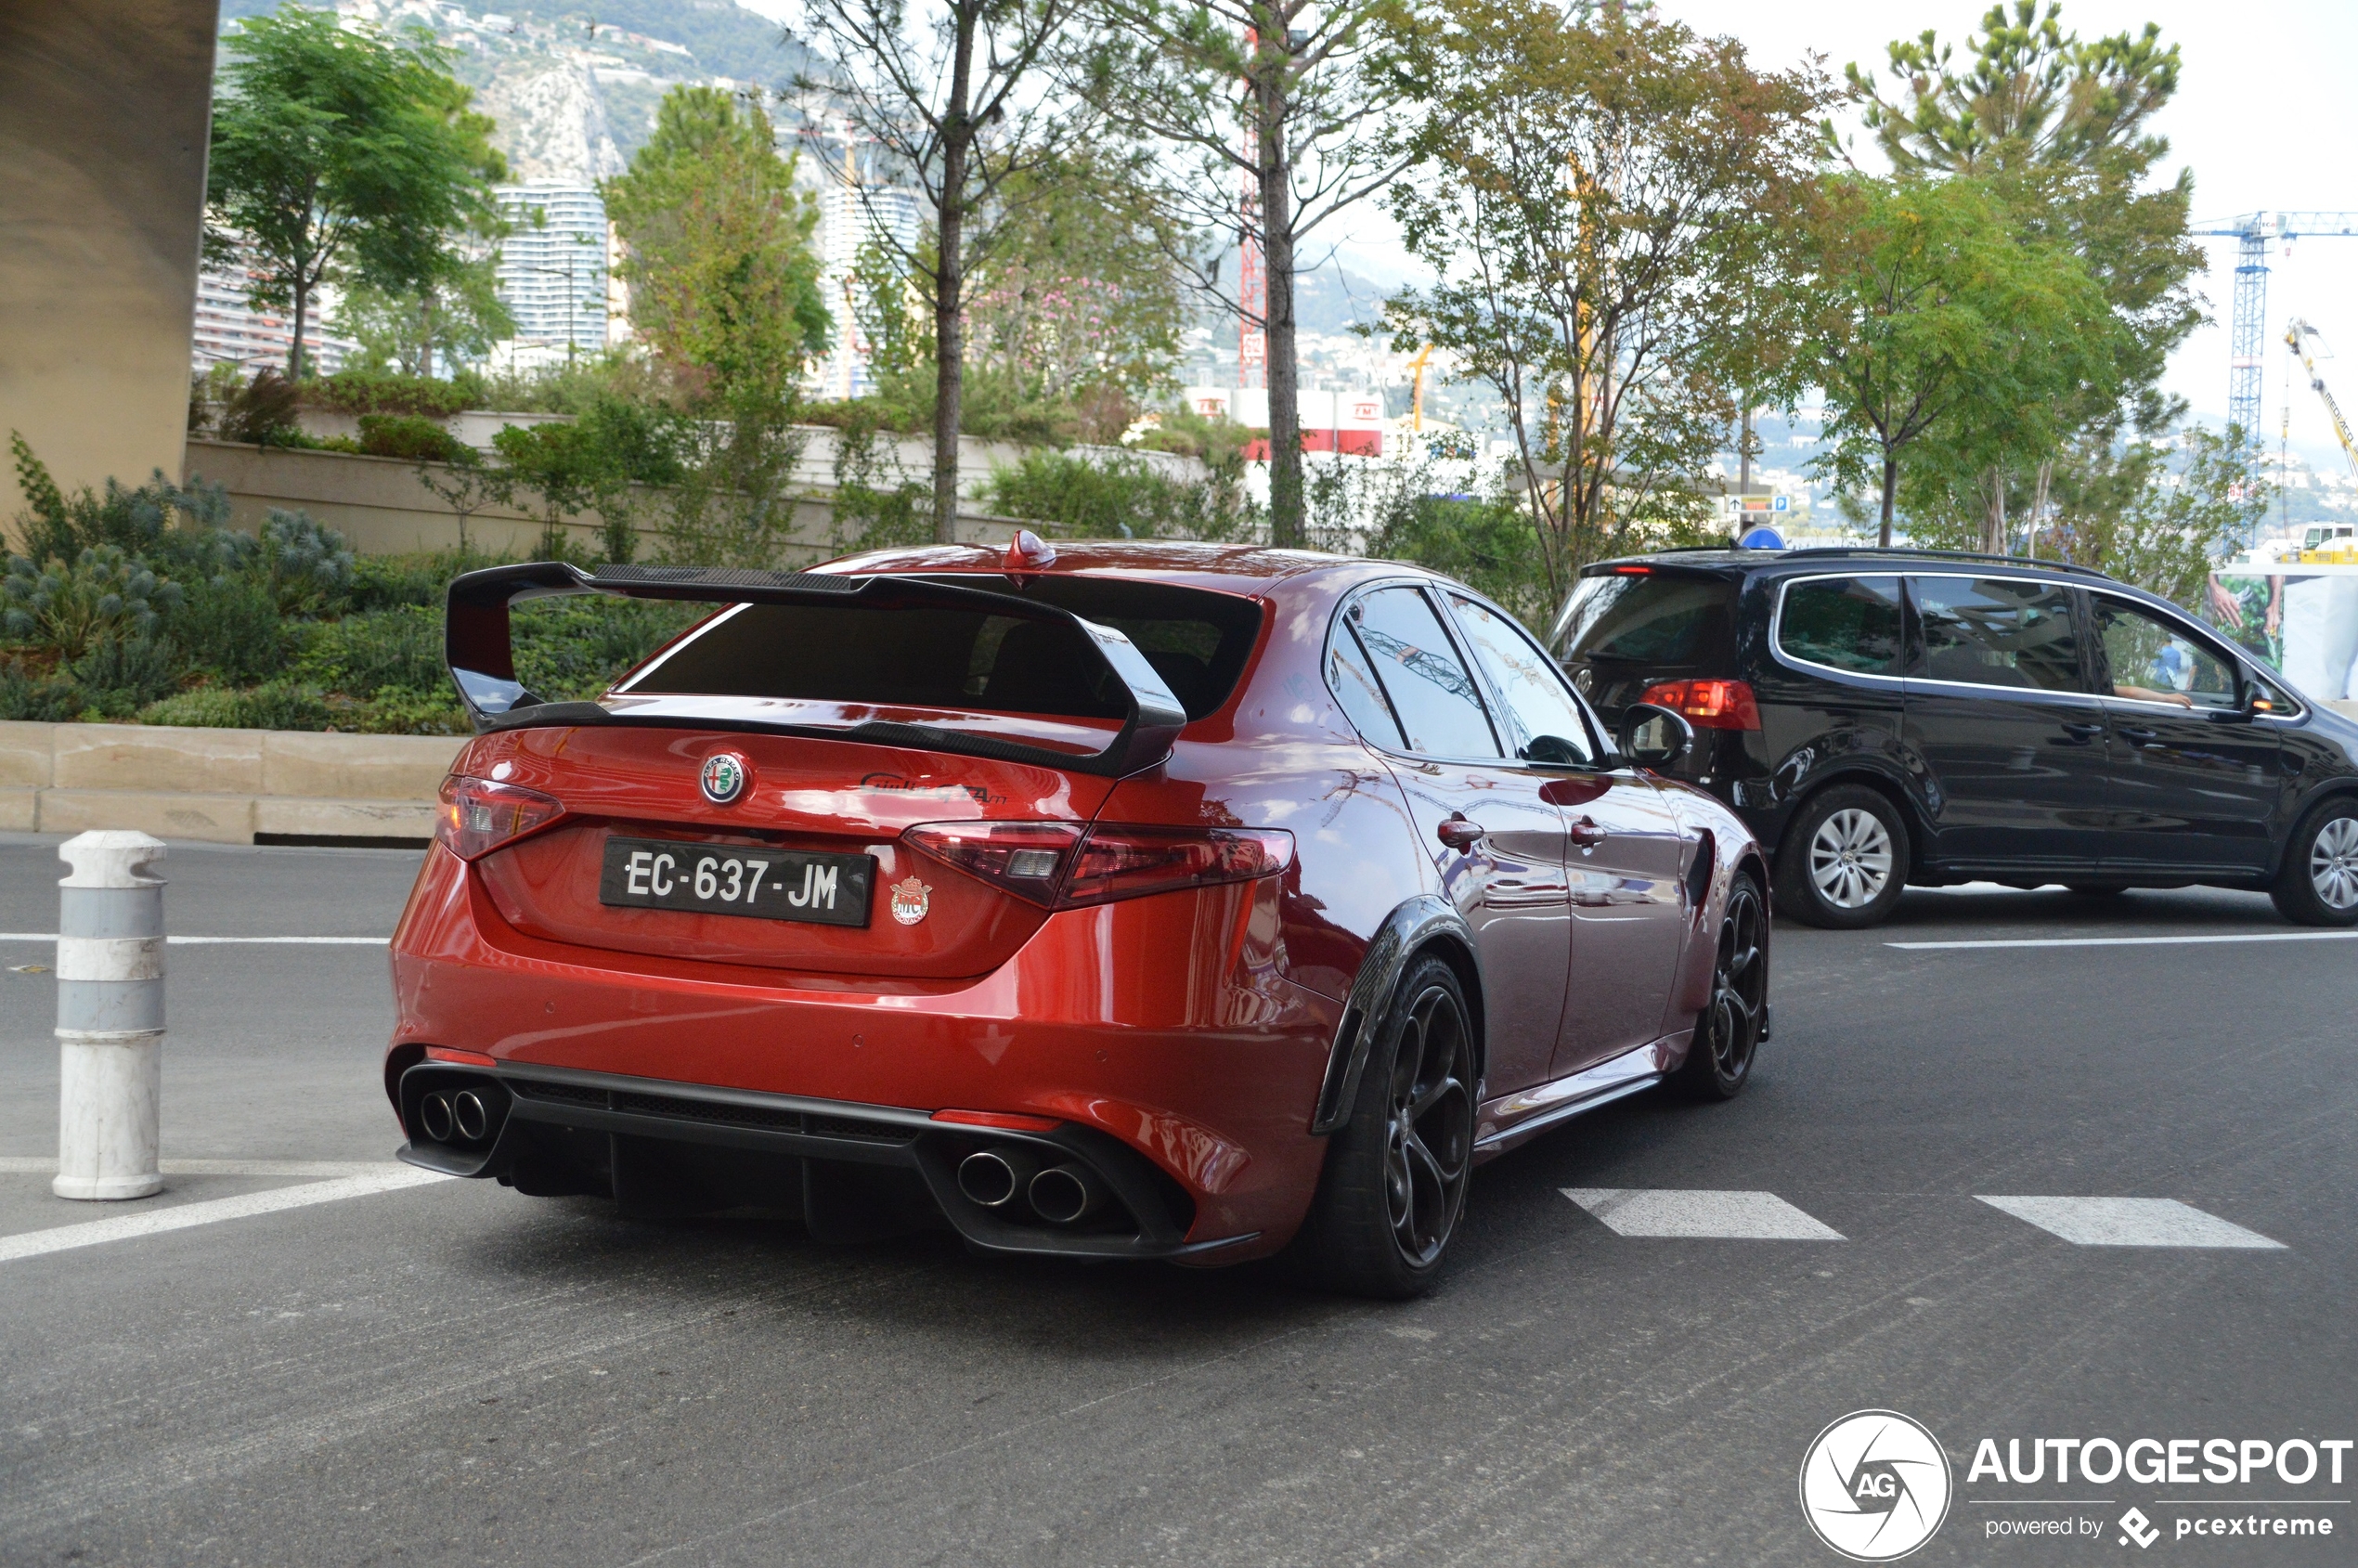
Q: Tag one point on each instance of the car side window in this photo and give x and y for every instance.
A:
(1845, 623)
(1998, 631)
(1533, 698)
(1354, 684)
(1430, 690)
(2151, 660)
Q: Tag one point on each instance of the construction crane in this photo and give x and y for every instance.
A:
(2296, 336)
(2247, 327)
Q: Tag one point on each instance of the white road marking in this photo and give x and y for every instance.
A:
(33, 1243)
(219, 942)
(41, 1164)
(1741, 1216)
(2132, 941)
(2129, 1222)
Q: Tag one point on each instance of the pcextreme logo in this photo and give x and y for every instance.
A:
(1875, 1486)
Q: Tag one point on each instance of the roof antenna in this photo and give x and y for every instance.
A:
(1029, 552)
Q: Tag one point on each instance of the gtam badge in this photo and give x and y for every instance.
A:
(723, 777)
(910, 900)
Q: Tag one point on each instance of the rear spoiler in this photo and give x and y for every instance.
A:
(481, 654)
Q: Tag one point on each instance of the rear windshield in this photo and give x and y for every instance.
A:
(1197, 641)
(1653, 619)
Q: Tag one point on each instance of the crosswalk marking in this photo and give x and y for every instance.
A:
(1664, 1212)
(2129, 1222)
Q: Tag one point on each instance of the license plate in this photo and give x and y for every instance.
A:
(736, 879)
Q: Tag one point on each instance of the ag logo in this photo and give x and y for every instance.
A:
(910, 900)
(724, 777)
(1875, 1486)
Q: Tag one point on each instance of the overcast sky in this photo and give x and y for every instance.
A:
(2265, 116)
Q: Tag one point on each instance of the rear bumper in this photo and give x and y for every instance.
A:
(1158, 1029)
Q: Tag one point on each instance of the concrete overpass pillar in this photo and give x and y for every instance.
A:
(104, 108)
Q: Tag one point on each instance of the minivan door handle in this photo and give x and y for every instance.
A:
(2138, 735)
(2079, 729)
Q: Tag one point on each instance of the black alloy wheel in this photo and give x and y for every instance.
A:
(1396, 1174)
(1727, 1029)
(2319, 885)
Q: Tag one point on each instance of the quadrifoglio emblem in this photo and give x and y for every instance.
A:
(910, 900)
(724, 777)
(1875, 1486)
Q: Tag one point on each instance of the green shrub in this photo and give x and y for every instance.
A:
(310, 567)
(411, 436)
(396, 712)
(105, 594)
(1489, 545)
(228, 626)
(279, 705)
(261, 412)
(571, 650)
(1118, 498)
(386, 392)
(362, 653)
(48, 699)
(159, 520)
(131, 671)
(381, 582)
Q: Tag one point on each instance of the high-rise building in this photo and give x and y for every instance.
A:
(849, 218)
(230, 331)
(552, 265)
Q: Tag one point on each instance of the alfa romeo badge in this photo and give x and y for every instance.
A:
(724, 777)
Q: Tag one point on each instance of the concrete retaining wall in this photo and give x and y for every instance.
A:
(224, 786)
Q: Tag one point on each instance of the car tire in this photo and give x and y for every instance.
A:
(1394, 1186)
(1729, 1029)
(1844, 861)
(2318, 884)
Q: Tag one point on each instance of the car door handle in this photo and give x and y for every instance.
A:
(1587, 834)
(2136, 735)
(2084, 730)
(1459, 834)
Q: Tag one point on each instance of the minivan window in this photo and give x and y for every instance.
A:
(1430, 689)
(1530, 690)
(1846, 623)
(1998, 631)
(1646, 619)
(2153, 661)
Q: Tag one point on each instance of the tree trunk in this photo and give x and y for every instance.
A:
(950, 280)
(302, 312)
(2039, 507)
(1744, 455)
(1994, 521)
(1890, 496)
(1287, 528)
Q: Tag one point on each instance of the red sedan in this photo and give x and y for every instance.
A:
(1170, 902)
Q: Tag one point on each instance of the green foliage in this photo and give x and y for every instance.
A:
(722, 276)
(385, 582)
(47, 699)
(2132, 513)
(130, 670)
(158, 518)
(309, 567)
(68, 609)
(336, 152)
(1489, 544)
(1118, 498)
(263, 412)
(386, 392)
(452, 317)
(413, 437)
(227, 626)
(573, 649)
(279, 705)
(365, 653)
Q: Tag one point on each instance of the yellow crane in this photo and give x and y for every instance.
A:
(2296, 336)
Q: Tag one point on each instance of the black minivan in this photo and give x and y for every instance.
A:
(1887, 716)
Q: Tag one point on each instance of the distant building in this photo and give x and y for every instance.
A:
(553, 266)
(229, 331)
(848, 218)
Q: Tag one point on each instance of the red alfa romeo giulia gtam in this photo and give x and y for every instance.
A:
(1172, 901)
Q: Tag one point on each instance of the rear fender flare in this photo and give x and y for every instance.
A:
(1416, 926)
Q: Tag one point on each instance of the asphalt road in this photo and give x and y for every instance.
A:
(449, 1373)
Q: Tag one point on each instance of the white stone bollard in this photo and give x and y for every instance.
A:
(110, 1016)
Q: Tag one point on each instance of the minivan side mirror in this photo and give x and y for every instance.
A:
(1653, 736)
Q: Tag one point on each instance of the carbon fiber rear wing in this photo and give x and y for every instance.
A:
(479, 649)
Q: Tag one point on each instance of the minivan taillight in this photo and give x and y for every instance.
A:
(479, 815)
(1707, 705)
(1064, 866)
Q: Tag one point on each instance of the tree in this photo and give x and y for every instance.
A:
(950, 99)
(1279, 103)
(1932, 323)
(2058, 129)
(724, 285)
(1605, 198)
(336, 152)
(450, 319)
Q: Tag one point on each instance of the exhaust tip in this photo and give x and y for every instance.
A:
(434, 1118)
(994, 1177)
(471, 1115)
(1064, 1193)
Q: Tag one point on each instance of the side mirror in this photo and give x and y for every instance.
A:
(1553, 751)
(1653, 736)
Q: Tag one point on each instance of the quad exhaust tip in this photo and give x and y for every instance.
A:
(1063, 1195)
(435, 1118)
(455, 1115)
(995, 1177)
(471, 1115)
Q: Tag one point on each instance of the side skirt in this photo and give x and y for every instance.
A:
(1506, 1122)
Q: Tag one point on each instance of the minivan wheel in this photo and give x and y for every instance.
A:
(1845, 859)
(1394, 1183)
(2319, 883)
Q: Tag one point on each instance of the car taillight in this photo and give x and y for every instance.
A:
(1065, 867)
(479, 815)
(1025, 858)
(1707, 705)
